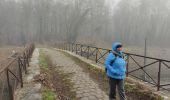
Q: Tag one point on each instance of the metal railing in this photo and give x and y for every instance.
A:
(11, 72)
(156, 70)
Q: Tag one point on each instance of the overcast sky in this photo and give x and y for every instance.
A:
(113, 4)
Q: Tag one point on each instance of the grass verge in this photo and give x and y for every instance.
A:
(47, 93)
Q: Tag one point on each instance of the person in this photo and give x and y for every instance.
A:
(115, 67)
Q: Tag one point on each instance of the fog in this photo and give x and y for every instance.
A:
(92, 22)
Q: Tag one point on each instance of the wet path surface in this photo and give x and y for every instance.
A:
(85, 87)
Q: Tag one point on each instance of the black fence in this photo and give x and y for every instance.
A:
(155, 71)
(11, 72)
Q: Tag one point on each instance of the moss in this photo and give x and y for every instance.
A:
(48, 94)
(43, 60)
(130, 88)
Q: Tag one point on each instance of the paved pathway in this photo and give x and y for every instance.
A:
(85, 87)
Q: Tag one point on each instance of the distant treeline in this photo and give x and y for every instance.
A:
(97, 22)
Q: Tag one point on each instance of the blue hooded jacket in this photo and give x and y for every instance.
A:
(117, 69)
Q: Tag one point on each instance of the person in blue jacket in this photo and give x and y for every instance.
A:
(116, 71)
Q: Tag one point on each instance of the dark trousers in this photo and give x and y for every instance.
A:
(120, 85)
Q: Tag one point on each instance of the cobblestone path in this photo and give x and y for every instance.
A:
(85, 87)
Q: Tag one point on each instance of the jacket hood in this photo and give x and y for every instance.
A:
(115, 45)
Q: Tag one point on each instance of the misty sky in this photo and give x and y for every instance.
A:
(92, 22)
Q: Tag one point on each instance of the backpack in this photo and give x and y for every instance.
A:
(112, 62)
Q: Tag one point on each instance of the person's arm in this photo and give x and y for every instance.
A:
(108, 62)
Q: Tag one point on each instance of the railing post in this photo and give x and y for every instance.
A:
(88, 49)
(69, 46)
(9, 86)
(81, 50)
(20, 71)
(27, 59)
(159, 76)
(97, 54)
(24, 63)
(76, 48)
(63, 46)
(66, 45)
(72, 47)
(127, 68)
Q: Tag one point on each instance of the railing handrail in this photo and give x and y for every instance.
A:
(22, 60)
(153, 58)
(13, 60)
(7, 65)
